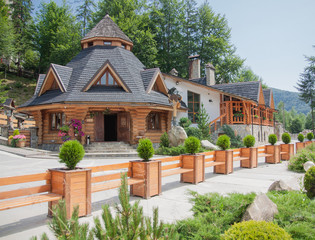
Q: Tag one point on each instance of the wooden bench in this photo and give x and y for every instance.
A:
(220, 165)
(262, 152)
(110, 181)
(29, 195)
(237, 155)
(173, 169)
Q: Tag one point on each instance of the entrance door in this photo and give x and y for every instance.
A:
(110, 124)
(99, 127)
(123, 127)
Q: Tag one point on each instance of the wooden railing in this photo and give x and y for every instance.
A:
(215, 122)
(26, 123)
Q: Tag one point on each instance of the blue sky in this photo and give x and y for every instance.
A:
(272, 35)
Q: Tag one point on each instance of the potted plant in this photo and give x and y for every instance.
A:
(272, 150)
(19, 140)
(255, 116)
(250, 152)
(146, 169)
(10, 138)
(301, 144)
(64, 133)
(194, 161)
(75, 129)
(72, 182)
(286, 149)
(309, 136)
(264, 118)
(238, 114)
(223, 155)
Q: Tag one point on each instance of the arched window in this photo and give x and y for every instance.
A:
(106, 80)
(153, 121)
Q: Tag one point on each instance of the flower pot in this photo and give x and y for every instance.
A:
(74, 186)
(195, 162)
(252, 154)
(299, 146)
(225, 156)
(286, 151)
(9, 142)
(151, 173)
(274, 151)
(20, 144)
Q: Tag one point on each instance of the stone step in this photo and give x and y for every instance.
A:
(110, 151)
(111, 155)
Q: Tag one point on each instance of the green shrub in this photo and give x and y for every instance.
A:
(193, 132)
(16, 132)
(18, 85)
(184, 122)
(71, 153)
(164, 140)
(170, 151)
(223, 142)
(272, 139)
(192, 145)
(309, 182)
(145, 149)
(301, 137)
(286, 138)
(249, 141)
(236, 140)
(296, 162)
(310, 136)
(310, 147)
(256, 230)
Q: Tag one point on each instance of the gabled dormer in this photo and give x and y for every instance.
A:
(106, 76)
(153, 80)
(106, 33)
(261, 99)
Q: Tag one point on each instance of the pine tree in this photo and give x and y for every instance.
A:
(85, 14)
(203, 121)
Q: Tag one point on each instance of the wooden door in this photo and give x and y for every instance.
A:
(123, 127)
(99, 127)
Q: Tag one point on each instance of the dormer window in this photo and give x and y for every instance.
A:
(90, 44)
(123, 46)
(106, 80)
(107, 43)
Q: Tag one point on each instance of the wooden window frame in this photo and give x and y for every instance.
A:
(90, 44)
(157, 125)
(107, 43)
(106, 74)
(192, 115)
(55, 122)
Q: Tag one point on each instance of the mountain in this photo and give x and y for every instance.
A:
(290, 99)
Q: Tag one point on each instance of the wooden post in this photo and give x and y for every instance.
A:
(225, 156)
(151, 173)
(75, 187)
(252, 154)
(196, 162)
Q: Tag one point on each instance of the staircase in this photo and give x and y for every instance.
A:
(109, 150)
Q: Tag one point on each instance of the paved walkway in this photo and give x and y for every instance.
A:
(173, 203)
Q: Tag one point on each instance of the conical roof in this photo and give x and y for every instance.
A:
(106, 28)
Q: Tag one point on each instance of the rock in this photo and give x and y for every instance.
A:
(177, 136)
(308, 165)
(262, 209)
(208, 145)
(279, 186)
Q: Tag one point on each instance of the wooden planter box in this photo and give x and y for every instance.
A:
(224, 156)
(287, 151)
(196, 162)
(75, 187)
(274, 150)
(252, 154)
(308, 143)
(299, 146)
(151, 173)
(21, 144)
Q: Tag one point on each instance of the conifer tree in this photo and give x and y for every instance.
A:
(203, 121)
(85, 14)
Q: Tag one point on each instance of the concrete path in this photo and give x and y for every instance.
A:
(173, 203)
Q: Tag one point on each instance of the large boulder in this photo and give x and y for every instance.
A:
(208, 145)
(308, 165)
(177, 136)
(262, 209)
(279, 186)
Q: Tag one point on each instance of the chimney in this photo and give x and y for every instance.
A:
(194, 67)
(210, 74)
(174, 72)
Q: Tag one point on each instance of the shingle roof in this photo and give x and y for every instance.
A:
(106, 28)
(267, 95)
(64, 73)
(40, 80)
(147, 76)
(86, 64)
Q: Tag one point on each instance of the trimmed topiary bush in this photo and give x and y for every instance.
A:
(286, 138)
(145, 149)
(223, 142)
(192, 145)
(71, 153)
(301, 137)
(236, 140)
(296, 162)
(272, 139)
(184, 122)
(256, 230)
(309, 182)
(164, 140)
(249, 141)
(193, 132)
(310, 136)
